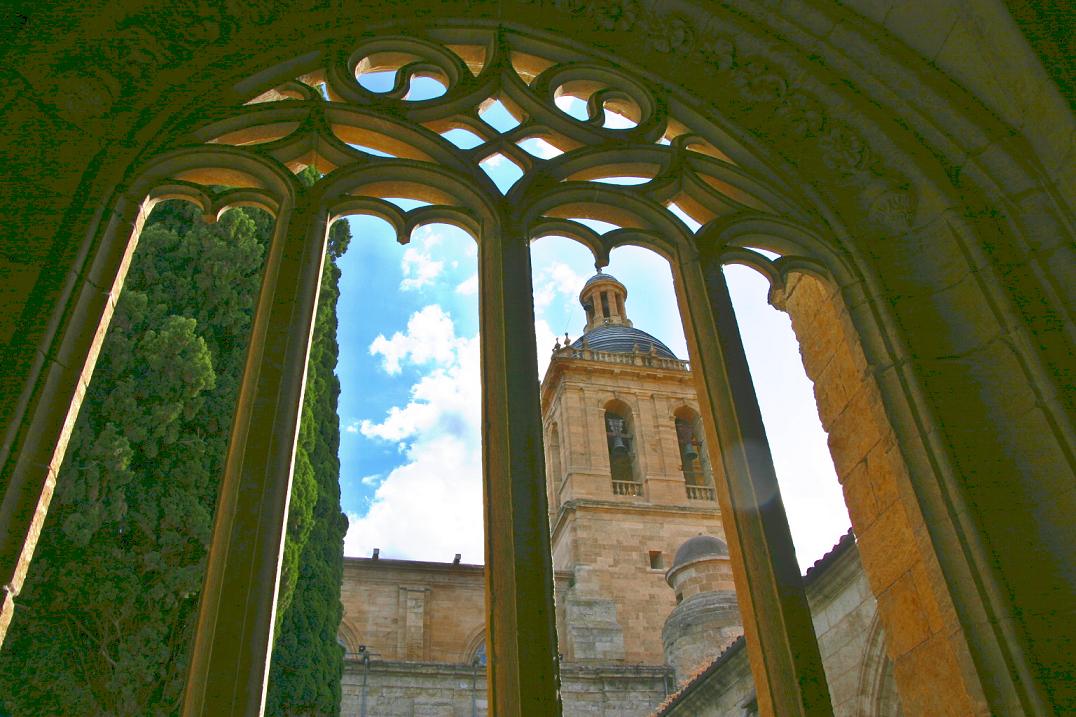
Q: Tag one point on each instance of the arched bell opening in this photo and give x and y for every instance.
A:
(620, 444)
(694, 459)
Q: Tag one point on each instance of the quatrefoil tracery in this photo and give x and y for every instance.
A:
(626, 160)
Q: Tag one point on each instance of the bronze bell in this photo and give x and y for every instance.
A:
(691, 452)
(614, 427)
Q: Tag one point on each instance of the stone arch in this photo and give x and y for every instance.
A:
(917, 165)
(877, 694)
(695, 463)
(348, 633)
(474, 646)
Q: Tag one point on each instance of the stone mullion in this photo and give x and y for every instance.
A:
(234, 635)
(49, 412)
(523, 670)
(784, 656)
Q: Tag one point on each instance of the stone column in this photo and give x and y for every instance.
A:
(234, 636)
(523, 670)
(783, 651)
(44, 411)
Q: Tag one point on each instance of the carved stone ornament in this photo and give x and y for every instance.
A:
(800, 114)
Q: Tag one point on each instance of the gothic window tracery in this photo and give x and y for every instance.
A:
(609, 175)
(577, 144)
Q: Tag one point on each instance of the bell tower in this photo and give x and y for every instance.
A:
(628, 480)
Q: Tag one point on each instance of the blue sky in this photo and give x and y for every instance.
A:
(410, 391)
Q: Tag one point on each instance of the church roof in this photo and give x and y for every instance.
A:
(601, 276)
(620, 339)
(701, 546)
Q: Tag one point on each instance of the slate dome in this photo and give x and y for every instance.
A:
(701, 546)
(620, 339)
(600, 276)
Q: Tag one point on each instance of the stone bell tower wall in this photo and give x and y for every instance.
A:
(617, 540)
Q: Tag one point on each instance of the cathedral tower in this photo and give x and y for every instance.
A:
(627, 476)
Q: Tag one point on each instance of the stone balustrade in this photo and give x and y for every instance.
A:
(627, 487)
(639, 358)
(700, 492)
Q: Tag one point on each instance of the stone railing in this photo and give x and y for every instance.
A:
(636, 358)
(700, 492)
(627, 487)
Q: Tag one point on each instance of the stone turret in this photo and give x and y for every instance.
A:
(706, 618)
(604, 298)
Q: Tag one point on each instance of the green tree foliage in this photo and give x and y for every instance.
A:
(107, 614)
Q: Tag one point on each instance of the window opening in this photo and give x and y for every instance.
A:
(541, 148)
(371, 150)
(406, 203)
(503, 171)
(135, 496)
(424, 88)
(622, 181)
(771, 255)
(692, 223)
(597, 225)
(572, 106)
(615, 120)
(814, 503)
(462, 138)
(621, 458)
(497, 116)
(420, 266)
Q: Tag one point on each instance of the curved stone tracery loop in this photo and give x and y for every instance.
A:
(392, 146)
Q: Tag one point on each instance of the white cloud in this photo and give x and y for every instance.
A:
(352, 427)
(469, 286)
(371, 480)
(431, 506)
(493, 161)
(429, 235)
(419, 268)
(430, 337)
(545, 339)
(553, 281)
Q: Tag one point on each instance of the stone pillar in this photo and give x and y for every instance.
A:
(784, 656)
(931, 657)
(234, 635)
(523, 670)
(46, 406)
